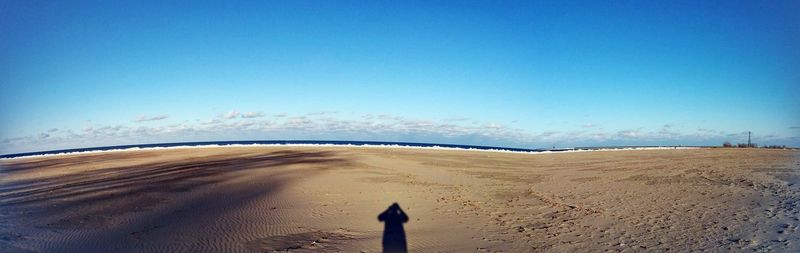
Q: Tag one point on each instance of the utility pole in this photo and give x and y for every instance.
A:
(749, 145)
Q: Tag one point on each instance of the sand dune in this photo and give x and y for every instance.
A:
(261, 199)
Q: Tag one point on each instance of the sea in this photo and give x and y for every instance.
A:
(319, 143)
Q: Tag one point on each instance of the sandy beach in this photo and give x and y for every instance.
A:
(303, 199)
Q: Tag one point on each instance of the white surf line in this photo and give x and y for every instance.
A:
(435, 147)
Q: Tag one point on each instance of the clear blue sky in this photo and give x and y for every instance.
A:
(524, 74)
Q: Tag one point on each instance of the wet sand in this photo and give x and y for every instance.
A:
(261, 199)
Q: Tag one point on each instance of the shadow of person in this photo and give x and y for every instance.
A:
(394, 236)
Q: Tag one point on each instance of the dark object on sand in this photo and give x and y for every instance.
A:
(394, 236)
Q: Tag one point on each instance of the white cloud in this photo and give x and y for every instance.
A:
(231, 115)
(321, 113)
(630, 133)
(244, 115)
(370, 127)
(250, 115)
(211, 121)
(145, 118)
(548, 134)
(495, 126)
(706, 130)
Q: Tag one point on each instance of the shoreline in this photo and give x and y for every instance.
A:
(128, 148)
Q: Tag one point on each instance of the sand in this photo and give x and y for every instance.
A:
(327, 199)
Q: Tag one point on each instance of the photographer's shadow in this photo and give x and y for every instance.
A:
(394, 236)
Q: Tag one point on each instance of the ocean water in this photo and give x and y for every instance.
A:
(322, 143)
(269, 142)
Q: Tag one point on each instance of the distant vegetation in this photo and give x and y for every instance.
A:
(751, 145)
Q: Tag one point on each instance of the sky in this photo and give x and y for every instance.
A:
(529, 74)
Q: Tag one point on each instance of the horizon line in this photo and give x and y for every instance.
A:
(328, 142)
